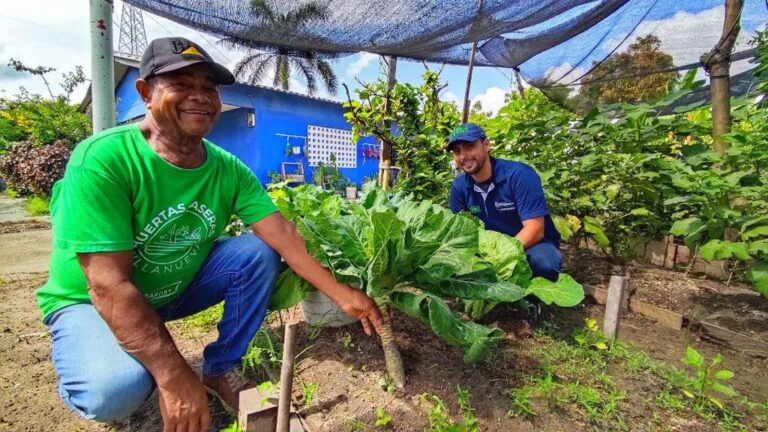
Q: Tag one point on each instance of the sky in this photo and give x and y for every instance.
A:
(55, 33)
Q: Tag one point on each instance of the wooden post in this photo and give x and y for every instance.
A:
(465, 111)
(719, 62)
(520, 88)
(614, 305)
(286, 378)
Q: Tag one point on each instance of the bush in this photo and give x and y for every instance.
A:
(33, 170)
(41, 121)
(37, 206)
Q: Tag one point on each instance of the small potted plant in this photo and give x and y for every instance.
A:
(351, 190)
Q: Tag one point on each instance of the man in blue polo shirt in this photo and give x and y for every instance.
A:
(507, 196)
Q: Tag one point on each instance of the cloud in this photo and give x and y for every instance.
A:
(492, 100)
(363, 61)
(564, 73)
(675, 34)
(450, 96)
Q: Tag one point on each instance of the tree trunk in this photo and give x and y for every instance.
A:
(391, 351)
(719, 61)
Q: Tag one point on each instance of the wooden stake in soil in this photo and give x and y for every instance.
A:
(286, 378)
(614, 305)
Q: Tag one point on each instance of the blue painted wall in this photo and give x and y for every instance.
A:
(275, 113)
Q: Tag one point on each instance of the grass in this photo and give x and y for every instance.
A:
(36, 206)
(202, 322)
(583, 373)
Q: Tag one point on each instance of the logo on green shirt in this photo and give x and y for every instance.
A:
(170, 240)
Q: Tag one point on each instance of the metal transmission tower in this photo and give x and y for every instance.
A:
(133, 38)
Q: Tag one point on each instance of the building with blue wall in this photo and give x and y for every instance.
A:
(265, 127)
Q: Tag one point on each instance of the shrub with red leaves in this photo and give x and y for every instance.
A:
(29, 169)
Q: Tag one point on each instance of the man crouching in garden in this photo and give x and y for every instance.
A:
(136, 221)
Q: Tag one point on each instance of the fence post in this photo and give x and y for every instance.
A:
(615, 304)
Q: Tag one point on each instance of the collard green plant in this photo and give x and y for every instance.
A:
(411, 256)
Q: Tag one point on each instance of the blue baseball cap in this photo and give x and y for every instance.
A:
(468, 132)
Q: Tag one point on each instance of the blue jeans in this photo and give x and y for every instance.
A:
(100, 381)
(545, 260)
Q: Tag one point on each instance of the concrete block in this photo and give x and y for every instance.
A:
(683, 256)
(615, 303)
(656, 253)
(669, 257)
(715, 269)
(258, 410)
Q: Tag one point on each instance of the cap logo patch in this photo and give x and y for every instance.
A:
(177, 46)
(192, 53)
(458, 131)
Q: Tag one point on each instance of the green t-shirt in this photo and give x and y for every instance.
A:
(118, 194)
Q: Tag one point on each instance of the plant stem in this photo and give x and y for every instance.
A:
(391, 352)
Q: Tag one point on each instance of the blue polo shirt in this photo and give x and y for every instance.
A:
(514, 195)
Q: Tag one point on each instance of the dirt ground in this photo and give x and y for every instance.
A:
(347, 376)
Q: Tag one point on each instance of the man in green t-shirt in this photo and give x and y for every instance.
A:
(136, 220)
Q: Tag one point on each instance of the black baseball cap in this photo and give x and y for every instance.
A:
(173, 53)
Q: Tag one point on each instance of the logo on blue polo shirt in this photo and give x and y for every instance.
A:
(474, 209)
(504, 206)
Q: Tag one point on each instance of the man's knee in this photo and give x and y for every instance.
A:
(108, 396)
(545, 261)
(259, 252)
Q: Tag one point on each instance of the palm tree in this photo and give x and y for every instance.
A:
(262, 59)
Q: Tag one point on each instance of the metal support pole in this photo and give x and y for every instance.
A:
(102, 65)
(719, 62)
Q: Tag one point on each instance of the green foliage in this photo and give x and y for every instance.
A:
(416, 124)
(641, 56)
(412, 255)
(41, 121)
(36, 206)
(308, 391)
(440, 418)
(33, 170)
(382, 418)
(234, 427)
(204, 321)
(707, 381)
(328, 175)
(263, 351)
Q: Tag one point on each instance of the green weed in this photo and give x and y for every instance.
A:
(263, 351)
(202, 322)
(309, 391)
(36, 206)
(440, 419)
(382, 418)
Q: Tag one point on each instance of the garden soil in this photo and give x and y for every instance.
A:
(347, 376)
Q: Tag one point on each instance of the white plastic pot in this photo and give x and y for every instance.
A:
(319, 309)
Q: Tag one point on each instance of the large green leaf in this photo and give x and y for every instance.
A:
(506, 256)
(290, 289)
(476, 340)
(758, 275)
(593, 226)
(566, 292)
(721, 250)
(691, 229)
(479, 285)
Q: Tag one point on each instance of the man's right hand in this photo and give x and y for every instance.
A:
(184, 404)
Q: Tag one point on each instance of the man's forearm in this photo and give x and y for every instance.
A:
(529, 236)
(139, 330)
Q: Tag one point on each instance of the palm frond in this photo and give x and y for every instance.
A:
(307, 70)
(327, 75)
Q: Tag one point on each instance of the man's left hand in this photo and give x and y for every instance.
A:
(357, 304)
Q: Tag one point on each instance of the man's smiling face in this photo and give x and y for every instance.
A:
(186, 101)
